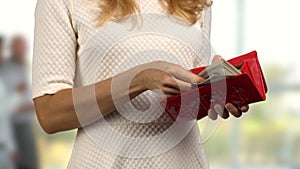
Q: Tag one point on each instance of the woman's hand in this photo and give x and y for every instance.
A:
(229, 108)
(170, 78)
(225, 112)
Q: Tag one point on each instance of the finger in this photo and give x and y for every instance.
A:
(233, 110)
(197, 78)
(175, 83)
(225, 114)
(169, 95)
(179, 85)
(221, 111)
(167, 92)
(212, 114)
(245, 108)
(216, 58)
(183, 86)
(187, 76)
(170, 90)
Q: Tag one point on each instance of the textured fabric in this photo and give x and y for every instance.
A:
(63, 31)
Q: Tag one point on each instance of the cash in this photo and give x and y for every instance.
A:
(217, 71)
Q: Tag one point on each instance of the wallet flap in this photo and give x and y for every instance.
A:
(253, 68)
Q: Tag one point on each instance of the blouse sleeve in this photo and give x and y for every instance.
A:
(205, 56)
(54, 48)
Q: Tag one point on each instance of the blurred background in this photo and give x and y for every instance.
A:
(268, 136)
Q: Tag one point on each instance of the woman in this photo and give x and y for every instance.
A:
(67, 34)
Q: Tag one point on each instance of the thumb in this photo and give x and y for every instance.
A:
(216, 58)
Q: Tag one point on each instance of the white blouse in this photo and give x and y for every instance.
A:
(70, 51)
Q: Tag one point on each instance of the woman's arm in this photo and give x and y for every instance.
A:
(56, 112)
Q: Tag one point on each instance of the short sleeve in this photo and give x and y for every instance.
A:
(205, 56)
(54, 48)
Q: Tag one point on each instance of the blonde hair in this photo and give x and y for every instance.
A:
(188, 10)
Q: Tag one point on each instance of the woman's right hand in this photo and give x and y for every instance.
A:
(170, 78)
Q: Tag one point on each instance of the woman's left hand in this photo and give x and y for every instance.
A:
(225, 112)
(229, 108)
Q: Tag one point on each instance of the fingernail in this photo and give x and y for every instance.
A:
(212, 115)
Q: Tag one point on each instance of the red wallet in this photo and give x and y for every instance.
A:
(242, 89)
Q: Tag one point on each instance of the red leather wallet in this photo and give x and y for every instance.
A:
(242, 89)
